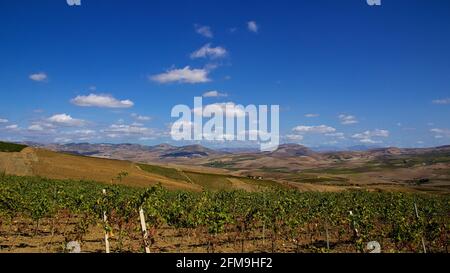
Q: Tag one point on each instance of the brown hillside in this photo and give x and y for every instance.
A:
(31, 161)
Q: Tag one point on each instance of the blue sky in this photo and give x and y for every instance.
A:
(344, 73)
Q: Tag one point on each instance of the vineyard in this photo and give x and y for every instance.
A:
(44, 215)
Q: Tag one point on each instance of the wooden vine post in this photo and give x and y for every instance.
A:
(144, 230)
(423, 240)
(327, 235)
(105, 220)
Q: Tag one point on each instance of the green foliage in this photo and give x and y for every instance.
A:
(11, 147)
(164, 171)
(284, 214)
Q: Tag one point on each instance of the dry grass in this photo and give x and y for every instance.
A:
(55, 165)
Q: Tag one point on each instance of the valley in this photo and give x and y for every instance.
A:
(291, 165)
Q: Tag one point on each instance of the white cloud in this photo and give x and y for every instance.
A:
(294, 137)
(131, 130)
(367, 136)
(374, 133)
(140, 118)
(12, 127)
(321, 129)
(214, 94)
(38, 77)
(43, 126)
(82, 135)
(437, 130)
(84, 132)
(207, 51)
(127, 129)
(36, 127)
(62, 140)
(337, 135)
(252, 26)
(2, 120)
(101, 100)
(441, 133)
(442, 101)
(229, 109)
(184, 75)
(347, 119)
(370, 141)
(65, 120)
(312, 115)
(204, 31)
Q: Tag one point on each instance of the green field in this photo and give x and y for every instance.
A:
(164, 171)
(208, 181)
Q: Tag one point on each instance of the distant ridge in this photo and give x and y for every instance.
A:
(292, 150)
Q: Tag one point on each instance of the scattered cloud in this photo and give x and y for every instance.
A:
(229, 109)
(374, 133)
(207, 51)
(440, 133)
(140, 118)
(214, 94)
(367, 136)
(442, 101)
(127, 129)
(205, 31)
(338, 135)
(36, 127)
(12, 127)
(312, 115)
(82, 135)
(370, 141)
(347, 119)
(86, 132)
(184, 75)
(252, 26)
(292, 137)
(42, 126)
(65, 120)
(62, 140)
(131, 130)
(101, 100)
(2, 120)
(38, 77)
(321, 129)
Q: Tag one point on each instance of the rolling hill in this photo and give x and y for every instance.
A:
(59, 165)
(195, 166)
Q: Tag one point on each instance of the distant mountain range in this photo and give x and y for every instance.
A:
(167, 152)
(134, 152)
(290, 163)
